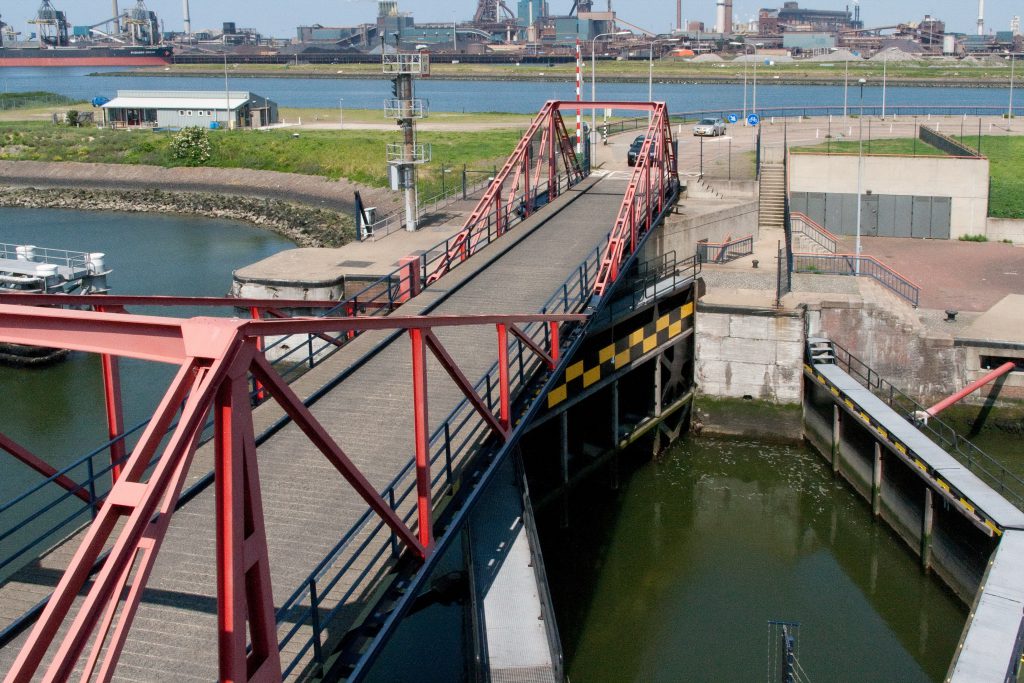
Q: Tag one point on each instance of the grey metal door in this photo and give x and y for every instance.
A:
(798, 202)
(886, 215)
(904, 211)
(816, 207)
(941, 209)
(869, 216)
(834, 213)
(920, 225)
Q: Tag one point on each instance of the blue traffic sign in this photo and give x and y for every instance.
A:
(732, 118)
(753, 119)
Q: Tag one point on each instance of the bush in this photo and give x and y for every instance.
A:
(191, 145)
(72, 117)
(973, 238)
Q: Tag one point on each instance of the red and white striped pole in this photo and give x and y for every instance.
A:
(579, 118)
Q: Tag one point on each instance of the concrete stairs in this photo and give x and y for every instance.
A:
(772, 197)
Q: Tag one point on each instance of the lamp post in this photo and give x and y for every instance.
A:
(860, 172)
(650, 71)
(885, 62)
(1009, 110)
(745, 46)
(341, 113)
(754, 105)
(593, 85)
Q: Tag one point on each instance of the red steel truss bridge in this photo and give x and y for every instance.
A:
(296, 467)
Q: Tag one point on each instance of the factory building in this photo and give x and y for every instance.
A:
(133, 109)
(791, 17)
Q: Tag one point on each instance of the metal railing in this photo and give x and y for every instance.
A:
(987, 468)
(851, 264)
(723, 252)
(292, 356)
(836, 110)
(370, 542)
(810, 230)
(56, 257)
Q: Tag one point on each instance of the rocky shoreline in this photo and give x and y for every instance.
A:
(304, 225)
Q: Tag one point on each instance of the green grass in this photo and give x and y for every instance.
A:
(356, 155)
(902, 146)
(973, 238)
(1006, 170)
(27, 100)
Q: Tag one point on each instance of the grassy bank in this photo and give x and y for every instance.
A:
(31, 100)
(356, 155)
(901, 146)
(1006, 164)
(909, 73)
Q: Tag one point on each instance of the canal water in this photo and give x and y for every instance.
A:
(57, 411)
(675, 576)
(504, 96)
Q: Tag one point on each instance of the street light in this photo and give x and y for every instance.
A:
(745, 53)
(885, 62)
(593, 83)
(860, 172)
(650, 71)
(745, 46)
(1009, 111)
(846, 78)
(341, 113)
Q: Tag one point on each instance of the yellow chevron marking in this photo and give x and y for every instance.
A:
(573, 371)
(675, 329)
(591, 376)
(557, 395)
(650, 343)
(662, 323)
(606, 354)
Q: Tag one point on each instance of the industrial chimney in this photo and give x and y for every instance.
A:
(188, 20)
(981, 17)
(719, 16)
(679, 15)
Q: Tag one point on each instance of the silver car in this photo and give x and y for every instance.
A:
(711, 127)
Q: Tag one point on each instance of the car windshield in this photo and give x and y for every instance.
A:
(707, 122)
(639, 140)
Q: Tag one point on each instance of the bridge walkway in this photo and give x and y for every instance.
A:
(307, 504)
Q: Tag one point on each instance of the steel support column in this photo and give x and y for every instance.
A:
(421, 439)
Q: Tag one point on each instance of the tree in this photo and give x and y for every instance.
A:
(192, 145)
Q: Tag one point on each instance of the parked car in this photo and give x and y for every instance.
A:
(634, 150)
(710, 127)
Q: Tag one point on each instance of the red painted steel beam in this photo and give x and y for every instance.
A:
(308, 325)
(421, 439)
(971, 388)
(316, 433)
(109, 300)
(42, 467)
(463, 383)
(608, 104)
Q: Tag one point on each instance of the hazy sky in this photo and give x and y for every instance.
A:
(279, 18)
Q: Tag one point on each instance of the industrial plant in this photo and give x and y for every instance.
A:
(499, 31)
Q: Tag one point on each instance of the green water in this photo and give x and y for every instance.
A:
(675, 576)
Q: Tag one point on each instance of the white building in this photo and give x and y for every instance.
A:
(181, 109)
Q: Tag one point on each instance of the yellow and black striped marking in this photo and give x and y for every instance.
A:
(624, 351)
(950, 491)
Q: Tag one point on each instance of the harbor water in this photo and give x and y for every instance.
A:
(507, 96)
(675, 576)
(57, 411)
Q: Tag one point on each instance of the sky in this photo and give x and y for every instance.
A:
(279, 18)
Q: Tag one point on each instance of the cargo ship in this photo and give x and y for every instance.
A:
(93, 55)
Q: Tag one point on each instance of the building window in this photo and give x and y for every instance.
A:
(181, 112)
(188, 113)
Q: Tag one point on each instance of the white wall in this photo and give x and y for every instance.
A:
(965, 181)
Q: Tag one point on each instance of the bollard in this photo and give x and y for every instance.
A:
(409, 281)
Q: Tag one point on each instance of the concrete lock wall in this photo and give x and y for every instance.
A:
(965, 181)
(681, 232)
(749, 353)
(1000, 229)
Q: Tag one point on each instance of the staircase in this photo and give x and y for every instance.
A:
(772, 196)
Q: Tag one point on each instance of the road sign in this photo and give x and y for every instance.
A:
(753, 119)
(732, 118)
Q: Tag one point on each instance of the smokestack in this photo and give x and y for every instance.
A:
(117, 19)
(679, 15)
(720, 16)
(981, 17)
(188, 19)
(727, 26)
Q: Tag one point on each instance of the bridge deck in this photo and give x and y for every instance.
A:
(307, 504)
(970, 486)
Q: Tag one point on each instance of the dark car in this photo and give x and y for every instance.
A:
(634, 150)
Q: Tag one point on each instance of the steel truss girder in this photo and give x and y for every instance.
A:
(215, 358)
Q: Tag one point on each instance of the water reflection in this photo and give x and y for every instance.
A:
(675, 576)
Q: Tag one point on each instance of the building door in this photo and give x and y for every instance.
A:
(869, 215)
(941, 209)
